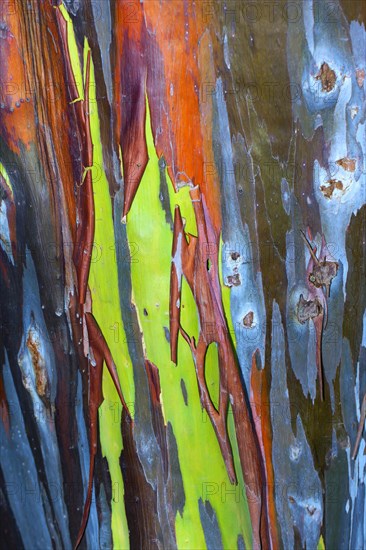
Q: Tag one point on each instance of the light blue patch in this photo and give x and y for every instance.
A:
(357, 467)
(246, 294)
(20, 472)
(35, 330)
(298, 491)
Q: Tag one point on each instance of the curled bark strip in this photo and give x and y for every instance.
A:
(98, 342)
(132, 117)
(197, 260)
(182, 251)
(95, 400)
(183, 262)
(174, 309)
(99, 353)
(159, 427)
(323, 272)
(85, 231)
(71, 82)
(154, 382)
(319, 277)
(83, 246)
(261, 412)
(360, 428)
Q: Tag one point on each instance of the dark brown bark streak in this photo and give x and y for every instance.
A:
(98, 351)
(197, 262)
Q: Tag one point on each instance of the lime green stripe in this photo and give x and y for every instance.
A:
(103, 284)
(201, 462)
(4, 174)
(73, 50)
(103, 281)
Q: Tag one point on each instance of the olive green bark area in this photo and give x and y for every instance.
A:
(355, 289)
(354, 10)
(256, 39)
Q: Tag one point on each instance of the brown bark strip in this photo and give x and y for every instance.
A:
(98, 350)
(95, 400)
(174, 308)
(130, 90)
(197, 260)
(140, 498)
(262, 417)
(83, 247)
(157, 414)
(98, 342)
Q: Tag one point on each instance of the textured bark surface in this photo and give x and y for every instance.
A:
(182, 267)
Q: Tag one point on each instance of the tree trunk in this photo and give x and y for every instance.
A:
(182, 266)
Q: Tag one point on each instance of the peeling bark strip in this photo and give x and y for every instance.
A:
(320, 276)
(97, 350)
(83, 247)
(196, 260)
(261, 411)
(98, 354)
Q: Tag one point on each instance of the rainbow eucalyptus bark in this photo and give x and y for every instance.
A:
(182, 265)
